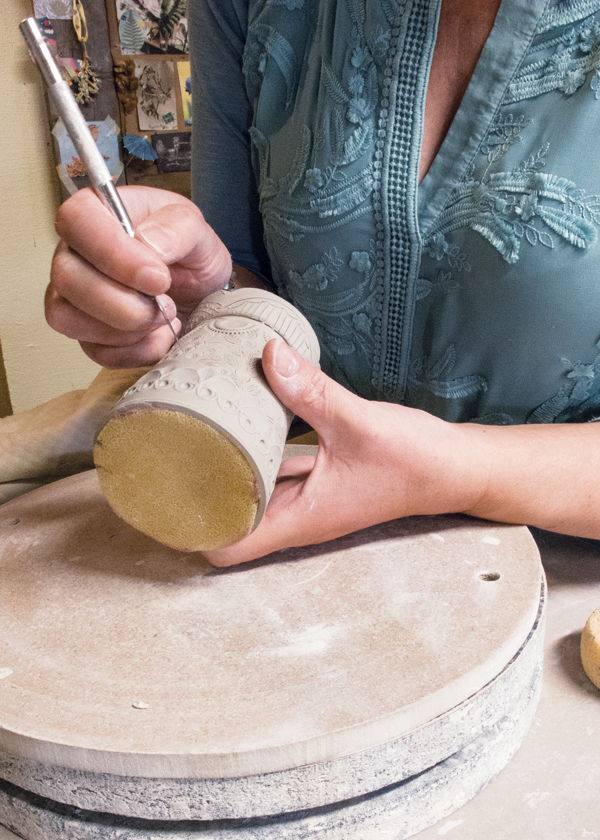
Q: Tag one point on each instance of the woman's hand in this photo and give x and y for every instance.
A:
(376, 462)
(98, 272)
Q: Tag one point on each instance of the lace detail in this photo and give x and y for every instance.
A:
(521, 204)
(334, 177)
(403, 103)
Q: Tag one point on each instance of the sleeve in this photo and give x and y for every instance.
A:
(223, 182)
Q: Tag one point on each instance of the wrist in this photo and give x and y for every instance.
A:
(242, 278)
(438, 467)
(459, 471)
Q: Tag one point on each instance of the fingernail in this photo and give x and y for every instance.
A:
(152, 280)
(285, 360)
(156, 237)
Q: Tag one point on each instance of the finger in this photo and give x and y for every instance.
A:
(72, 322)
(299, 466)
(74, 280)
(195, 252)
(308, 392)
(143, 353)
(279, 528)
(90, 229)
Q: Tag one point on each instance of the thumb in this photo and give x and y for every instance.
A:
(178, 233)
(306, 390)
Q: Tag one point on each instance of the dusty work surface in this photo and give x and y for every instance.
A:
(549, 790)
(120, 655)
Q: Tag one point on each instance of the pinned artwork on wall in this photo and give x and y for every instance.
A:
(152, 26)
(87, 82)
(174, 151)
(53, 9)
(185, 86)
(139, 147)
(156, 95)
(70, 168)
(77, 72)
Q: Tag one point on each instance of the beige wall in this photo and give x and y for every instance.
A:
(39, 363)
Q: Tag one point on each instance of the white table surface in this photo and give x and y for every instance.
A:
(551, 788)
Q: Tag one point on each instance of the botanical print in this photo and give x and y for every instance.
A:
(157, 106)
(152, 26)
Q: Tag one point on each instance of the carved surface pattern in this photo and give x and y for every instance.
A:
(214, 373)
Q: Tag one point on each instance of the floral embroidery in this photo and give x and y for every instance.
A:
(437, 246)
(360, 261)
(350, 332)
(291, 5)
(523, 203)
(504, 132)
(573, 401)
(444, 283)
(576, 53)
(329, 182)
(332, 148)
(313, 179)
(317, 276)
(426, 375)
(264, 42)
(565, 13)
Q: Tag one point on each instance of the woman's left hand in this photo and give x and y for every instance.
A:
(376, 462)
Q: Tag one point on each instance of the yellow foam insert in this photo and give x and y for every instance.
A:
(590, 647)
(176, 479)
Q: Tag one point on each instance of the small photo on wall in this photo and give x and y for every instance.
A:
(174, 150)
(185, 86)
(156, 95)
(106, 137)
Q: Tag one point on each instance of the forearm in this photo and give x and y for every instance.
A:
(541, 475)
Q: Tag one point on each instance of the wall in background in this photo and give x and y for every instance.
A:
(39, 363)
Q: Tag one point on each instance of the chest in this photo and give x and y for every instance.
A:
(463, 29)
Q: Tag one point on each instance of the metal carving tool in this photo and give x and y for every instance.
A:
(68, 109)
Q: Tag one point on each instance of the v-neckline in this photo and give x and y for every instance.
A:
(511, 34)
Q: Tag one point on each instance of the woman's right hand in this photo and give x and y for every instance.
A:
(101, 277)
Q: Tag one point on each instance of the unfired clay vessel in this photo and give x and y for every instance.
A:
(214, 374)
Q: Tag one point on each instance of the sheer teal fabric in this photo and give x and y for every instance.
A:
(474, 295)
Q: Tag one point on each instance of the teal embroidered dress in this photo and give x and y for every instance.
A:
(474, 295)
